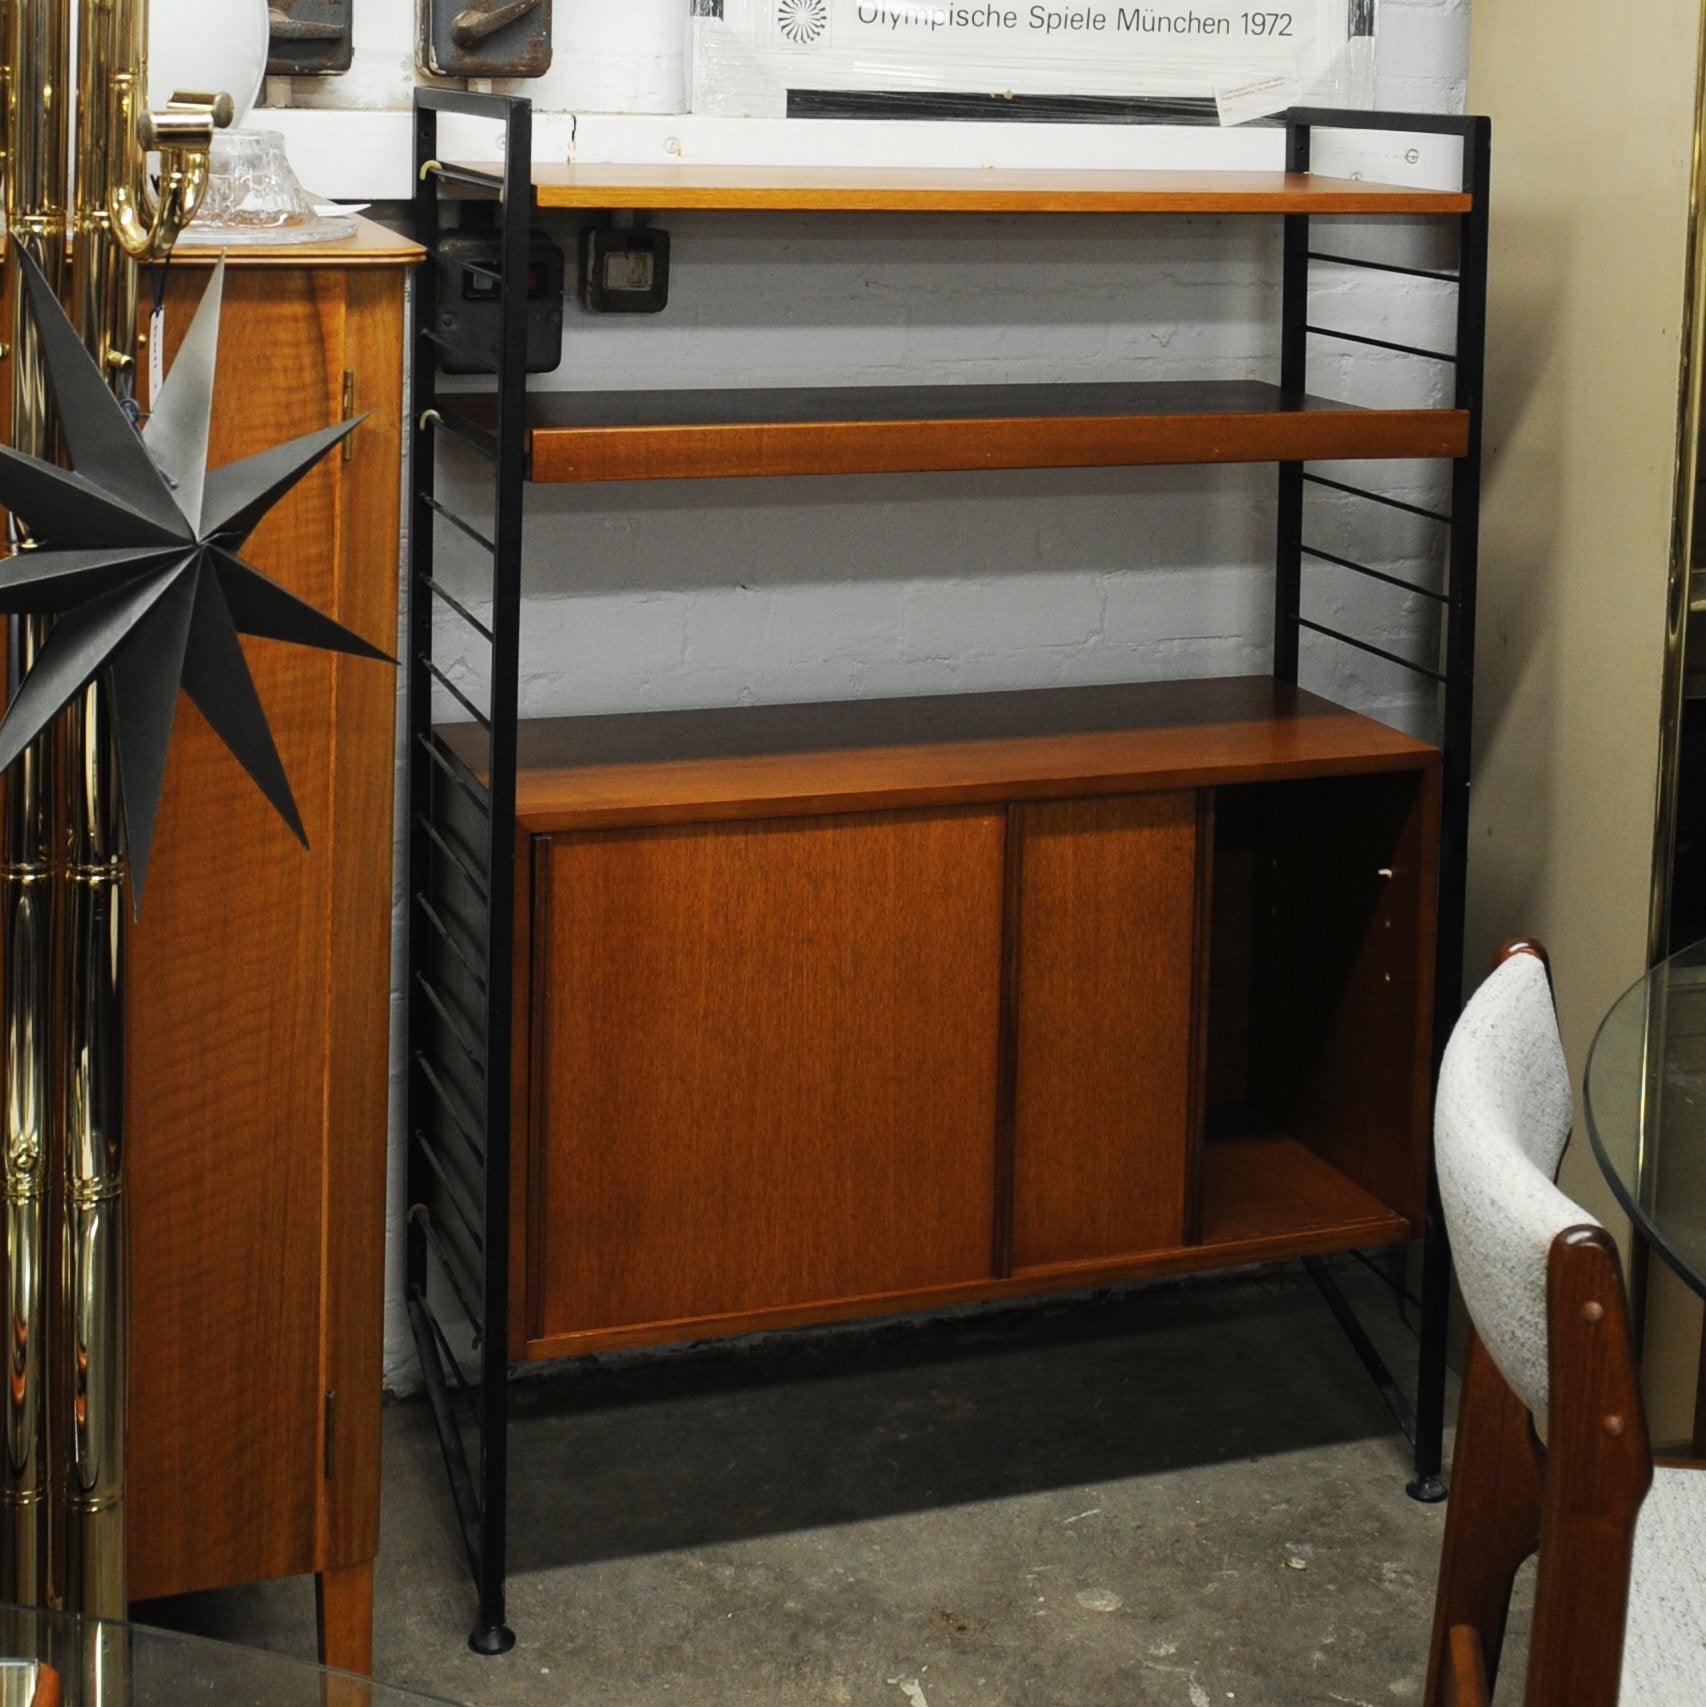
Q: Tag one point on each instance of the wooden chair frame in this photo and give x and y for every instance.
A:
(1574, 1499)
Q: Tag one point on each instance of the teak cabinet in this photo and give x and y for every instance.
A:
(841, 1009)
(258, 996)
(724, 1020)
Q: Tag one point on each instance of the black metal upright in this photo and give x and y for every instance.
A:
(462, 862)
(1294, 376)
(1454, 674)
(1457, 744)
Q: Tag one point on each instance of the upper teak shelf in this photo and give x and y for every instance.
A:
(974, 190)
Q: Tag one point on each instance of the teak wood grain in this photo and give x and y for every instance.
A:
(1104, 1127)
(676, 435)
(1264, 1200)
(1042, 743)
(355, 1086)
(765, 1066)
(974, 190)
(258, 1011)
(1138, 824)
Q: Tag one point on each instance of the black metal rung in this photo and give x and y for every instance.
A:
(1385, 267)
(448, 1236)
(481, 446)
(445, 596)
(469, 1393)
(478, 268)
(1375, 574)
(452, 941)
(457, 773)
(458, 777)
(1379, 498)
(1365, 646)
(466, 528)
(460, 1117)
(1363, 1346)
(476, 880)
(465, 175)
(472, 1046)
(1380, 343)
(466, 1212)
(423, 1219)
(455, 692)
(471, 360)
(429, 1339)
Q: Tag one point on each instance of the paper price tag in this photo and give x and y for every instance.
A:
(156, 353)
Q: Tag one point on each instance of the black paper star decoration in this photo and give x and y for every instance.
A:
(135, 552)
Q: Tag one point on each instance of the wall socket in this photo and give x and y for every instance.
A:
(624, 269)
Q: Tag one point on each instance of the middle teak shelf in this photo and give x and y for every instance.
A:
(581, 436)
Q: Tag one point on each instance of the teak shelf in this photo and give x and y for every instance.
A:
(823, 189)
(681, 435)
(742, 1018)
(662, 767)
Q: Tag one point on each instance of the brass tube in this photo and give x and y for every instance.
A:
(95, 1269)
(94, 1265)
(37, 182)
(26, 921)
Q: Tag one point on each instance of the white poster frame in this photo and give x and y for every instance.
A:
(1235, 59)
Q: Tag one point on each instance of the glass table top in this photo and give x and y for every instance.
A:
(1645, 1096)
(105, 1663)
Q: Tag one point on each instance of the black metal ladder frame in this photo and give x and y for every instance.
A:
(461, 824)
(1454, 676)
(458, 979)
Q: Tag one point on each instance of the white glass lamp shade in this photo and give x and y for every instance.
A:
(207, 45)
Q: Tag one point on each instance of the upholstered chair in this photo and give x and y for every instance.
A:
(1552, 1452)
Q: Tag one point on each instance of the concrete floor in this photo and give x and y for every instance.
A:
(1185, 1494)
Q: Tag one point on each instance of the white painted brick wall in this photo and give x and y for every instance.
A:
(710, 593)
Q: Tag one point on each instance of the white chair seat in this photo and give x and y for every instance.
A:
(1664, 1643)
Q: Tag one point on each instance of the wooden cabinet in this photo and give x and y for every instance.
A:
(834, 1010)
(258, 998)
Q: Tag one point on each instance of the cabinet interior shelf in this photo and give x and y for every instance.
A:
(828, 189)
(576, 436)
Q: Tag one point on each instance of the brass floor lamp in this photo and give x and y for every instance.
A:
(126, 585)
(86, 215)
(83, 210)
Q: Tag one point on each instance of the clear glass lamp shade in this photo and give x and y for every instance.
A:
(207, 44)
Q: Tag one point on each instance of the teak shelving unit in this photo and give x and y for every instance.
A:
(1120, 980)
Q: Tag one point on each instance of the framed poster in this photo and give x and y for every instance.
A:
(1225, 59)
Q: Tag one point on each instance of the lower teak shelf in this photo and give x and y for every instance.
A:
(837, 1010)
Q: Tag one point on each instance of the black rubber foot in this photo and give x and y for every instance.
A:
(1430, 1490)
(498, 1640)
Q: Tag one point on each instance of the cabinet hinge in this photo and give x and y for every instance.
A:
(331, 1436)
(349, 409)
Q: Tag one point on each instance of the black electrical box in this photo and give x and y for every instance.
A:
(624, 269)
(470, 291)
